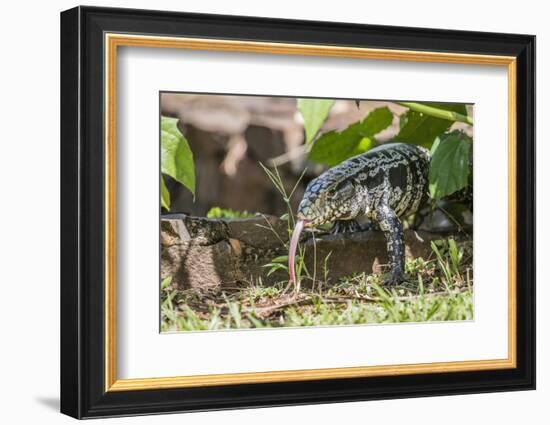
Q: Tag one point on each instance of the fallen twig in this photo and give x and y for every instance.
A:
(292, 300)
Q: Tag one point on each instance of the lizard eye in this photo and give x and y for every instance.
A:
(329, 194)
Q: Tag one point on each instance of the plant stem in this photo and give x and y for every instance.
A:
(437, 113)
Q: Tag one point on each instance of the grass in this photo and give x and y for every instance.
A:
(437, 289)
(279, 262)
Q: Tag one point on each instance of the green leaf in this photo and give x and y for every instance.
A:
(176, 155)
(314, 112)
(450, 165)
(378, 120)
(280, 259)
(422, 129)
(217, 212)
(364, 145)
(334, 147)
(164, 194)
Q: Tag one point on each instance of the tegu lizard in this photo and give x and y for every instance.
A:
(383, 184)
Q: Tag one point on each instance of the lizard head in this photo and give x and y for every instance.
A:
(328, 199)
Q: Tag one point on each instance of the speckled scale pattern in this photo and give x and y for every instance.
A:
(384, 184)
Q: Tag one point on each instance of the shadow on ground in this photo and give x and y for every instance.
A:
(49, 402)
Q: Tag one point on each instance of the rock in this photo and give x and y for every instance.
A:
(202, 231)
(262, 231)
(173, 231)
(201, 253)
(347, 254)
(200, 267)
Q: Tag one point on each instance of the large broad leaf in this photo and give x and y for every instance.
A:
(164, 194)
(334, 147)
(422, 129)
(176, 156)
(314, 112)
(450, 165)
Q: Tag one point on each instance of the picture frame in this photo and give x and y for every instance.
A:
(90, 40)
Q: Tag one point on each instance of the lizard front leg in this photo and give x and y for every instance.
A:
(393, 230)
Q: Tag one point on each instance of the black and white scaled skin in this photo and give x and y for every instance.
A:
(383, 184)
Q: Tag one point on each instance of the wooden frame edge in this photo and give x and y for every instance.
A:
(306, 375)
(114, 40)
(110, 212)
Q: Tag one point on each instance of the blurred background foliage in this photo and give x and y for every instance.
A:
(211, 147)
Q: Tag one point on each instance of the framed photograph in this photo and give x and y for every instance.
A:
(261, 212)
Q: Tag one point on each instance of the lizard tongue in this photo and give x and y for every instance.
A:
(292, 250)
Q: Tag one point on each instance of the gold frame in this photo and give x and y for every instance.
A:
(113, 41)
